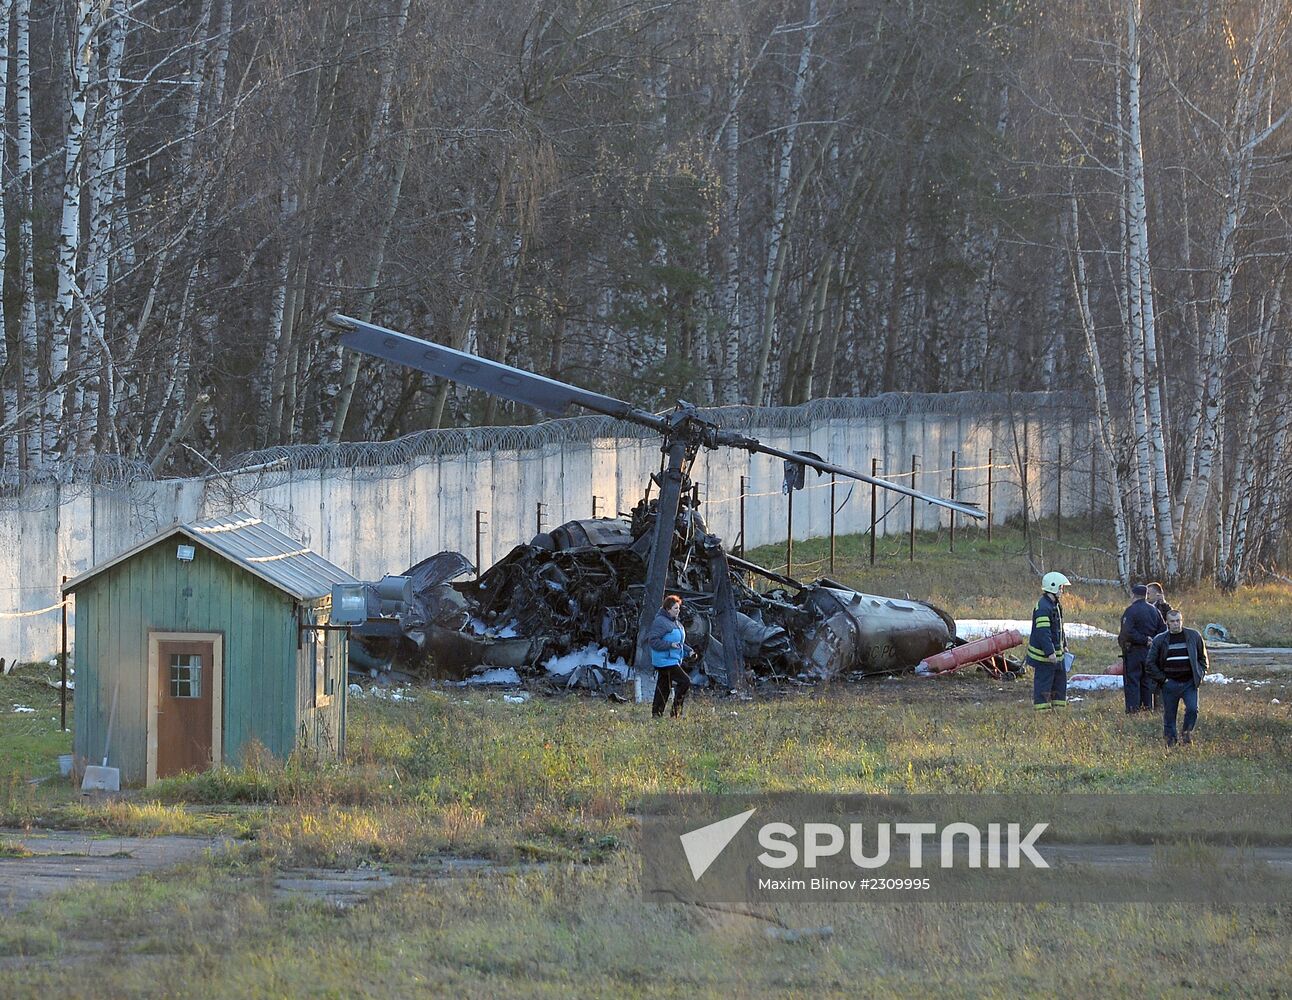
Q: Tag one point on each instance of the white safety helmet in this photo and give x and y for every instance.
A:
(1053, 583)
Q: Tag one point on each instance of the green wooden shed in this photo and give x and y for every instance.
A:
(203, 637)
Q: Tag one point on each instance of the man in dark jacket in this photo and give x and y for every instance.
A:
(666, 639)
(1177, 661)
(1157, 597)
(1140, 623)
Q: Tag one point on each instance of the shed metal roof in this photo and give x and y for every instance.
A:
(253, 545)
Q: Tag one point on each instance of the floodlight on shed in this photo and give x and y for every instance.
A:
(349, 603)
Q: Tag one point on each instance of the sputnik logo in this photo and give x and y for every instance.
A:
(703, 846)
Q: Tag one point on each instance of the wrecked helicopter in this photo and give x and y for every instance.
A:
(596, 584)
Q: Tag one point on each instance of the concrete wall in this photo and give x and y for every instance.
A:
(376, 520)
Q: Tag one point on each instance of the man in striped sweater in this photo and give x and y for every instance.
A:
(1177, 661)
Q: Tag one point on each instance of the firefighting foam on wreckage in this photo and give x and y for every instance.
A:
(569, 610)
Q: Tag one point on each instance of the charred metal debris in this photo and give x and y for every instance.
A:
(563, 612)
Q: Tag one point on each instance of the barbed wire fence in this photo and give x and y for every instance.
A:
(242, 481)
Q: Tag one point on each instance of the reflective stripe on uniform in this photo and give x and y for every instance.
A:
(1043, 706)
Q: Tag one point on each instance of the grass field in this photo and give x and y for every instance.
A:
(548, 791)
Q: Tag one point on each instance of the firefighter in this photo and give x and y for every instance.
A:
(1047, 644)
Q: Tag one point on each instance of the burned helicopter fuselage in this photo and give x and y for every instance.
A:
(581, 586)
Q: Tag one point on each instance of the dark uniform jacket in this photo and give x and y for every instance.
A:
(1047, 631)
(1140, 623)
(1159, 650)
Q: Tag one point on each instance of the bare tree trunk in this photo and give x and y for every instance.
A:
(1229, 575)
(897, 291)
(727, 381)
(1250, 126)
(1134, 298)
(1142, 290)
(503, 344)
(780, 188)
(1103, 412)
(9, 398)
(69, 234)
(29, 400)
(345, 393)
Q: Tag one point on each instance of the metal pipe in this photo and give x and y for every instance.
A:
(755, 568)
(670, 494)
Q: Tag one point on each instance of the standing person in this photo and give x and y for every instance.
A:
(1157, 597)
(1177, 661)
(1140, 623)
(667, 641)
(1047, 644)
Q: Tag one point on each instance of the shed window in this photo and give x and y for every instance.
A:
(185, 675)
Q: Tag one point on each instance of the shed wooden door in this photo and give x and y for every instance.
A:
(185, 677)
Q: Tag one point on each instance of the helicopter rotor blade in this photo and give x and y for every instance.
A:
(749, 444)
(492, 377)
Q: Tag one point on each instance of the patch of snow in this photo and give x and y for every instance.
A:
(355, 691)
(496, 675)
(1095, 682)
(590, 655)
(516, 699)
(1275, 701)
(977, 628)
(23, 708)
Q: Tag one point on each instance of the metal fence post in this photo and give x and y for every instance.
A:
(912, 541)
(789, 536)
(480, 529)
(874, 499)
(1023, 487)
(1058, 498)
(834, 481)
(1093, 488)
(62, 691)
(990, 467)
(953, 496)
(744, 488)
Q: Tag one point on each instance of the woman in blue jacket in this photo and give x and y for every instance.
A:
(667, 641)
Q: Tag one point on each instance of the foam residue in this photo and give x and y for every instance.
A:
(977, 628)
(590, 655)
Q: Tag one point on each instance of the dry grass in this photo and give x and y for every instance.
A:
(571, 930)
(559, 780)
